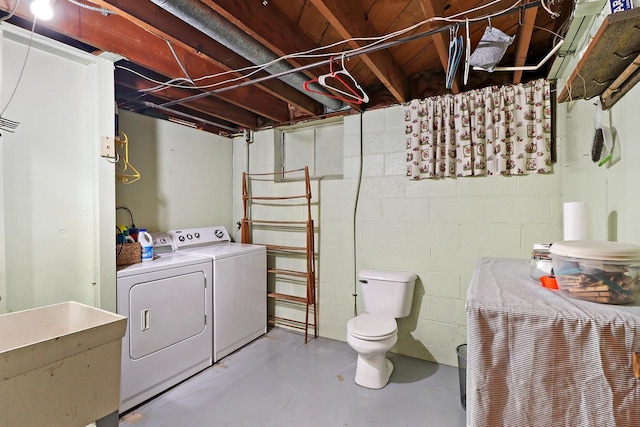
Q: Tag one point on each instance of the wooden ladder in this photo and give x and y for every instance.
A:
(309, 273)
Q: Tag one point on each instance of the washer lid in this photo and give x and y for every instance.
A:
(368, 326)
(599, 250)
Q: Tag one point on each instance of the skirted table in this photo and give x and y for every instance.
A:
(536, 358)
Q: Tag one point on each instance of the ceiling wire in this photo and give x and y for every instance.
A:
(349, 54)
(310, 53)
(13, 11)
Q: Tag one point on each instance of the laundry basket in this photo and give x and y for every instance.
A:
(461, 350)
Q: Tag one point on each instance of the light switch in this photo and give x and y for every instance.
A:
(107, 146)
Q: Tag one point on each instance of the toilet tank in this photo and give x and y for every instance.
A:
(387, 292)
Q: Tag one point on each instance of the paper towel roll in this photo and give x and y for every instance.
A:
(576, 225)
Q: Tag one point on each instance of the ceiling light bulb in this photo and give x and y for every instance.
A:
(41, 9)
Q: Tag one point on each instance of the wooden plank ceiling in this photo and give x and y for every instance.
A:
(161, 45)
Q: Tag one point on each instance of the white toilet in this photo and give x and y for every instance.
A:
(386, 295)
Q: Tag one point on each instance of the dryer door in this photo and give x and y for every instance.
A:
(166, 311)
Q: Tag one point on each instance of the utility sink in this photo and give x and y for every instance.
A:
(60, 365)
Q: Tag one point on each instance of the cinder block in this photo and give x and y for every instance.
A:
(382, 187)
(395, 164)
(394, 117)
(491, 236)
(448, 310)
(370, 209)
(393, 257)
(488, 185)
(384, 233)
(351, 145)
(445, 285)
(518, 210)
(373, 165)
(384, 141)
(540, 233)
(456, 260)
(458, 210)
(335, 231)
(539, 184)
(434, 235)
(373, 120)
(351, 125)
(430, 188)
(410, 210)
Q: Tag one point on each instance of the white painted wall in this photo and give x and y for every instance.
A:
(58, 193)
(435, 228)
(610, 190)
(186, 176)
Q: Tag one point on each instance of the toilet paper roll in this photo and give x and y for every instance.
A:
(576, 224)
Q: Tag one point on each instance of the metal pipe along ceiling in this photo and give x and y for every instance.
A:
(201, 17)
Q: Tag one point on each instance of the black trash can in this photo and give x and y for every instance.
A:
(462, 373)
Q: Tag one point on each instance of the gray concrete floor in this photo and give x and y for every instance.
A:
(277, 380)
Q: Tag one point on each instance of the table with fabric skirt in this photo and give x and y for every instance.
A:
(536, 357)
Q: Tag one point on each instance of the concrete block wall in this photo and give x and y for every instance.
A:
(435, 228)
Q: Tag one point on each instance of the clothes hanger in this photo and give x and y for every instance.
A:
(467, 54)
(349, 94)
(456, 46)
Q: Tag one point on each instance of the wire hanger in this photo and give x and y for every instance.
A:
(352, 92)
(456, 45)
(467, 53)
(123, 163)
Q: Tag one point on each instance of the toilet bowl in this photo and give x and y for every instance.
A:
(386, 295)
(371, 336)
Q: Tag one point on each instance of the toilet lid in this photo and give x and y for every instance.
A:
(372, 326)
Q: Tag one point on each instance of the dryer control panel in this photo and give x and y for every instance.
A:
(190, 237)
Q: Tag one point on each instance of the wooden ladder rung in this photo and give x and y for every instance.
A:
(287, 272)
(286, 297)
(286, 248)
(275, 222)
(304, 196)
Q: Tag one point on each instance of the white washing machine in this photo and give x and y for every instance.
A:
(239, 285)
(168, 305)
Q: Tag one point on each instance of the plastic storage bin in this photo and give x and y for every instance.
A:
(462, 373)
(597, 271)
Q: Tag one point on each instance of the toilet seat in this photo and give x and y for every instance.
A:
(372, 327)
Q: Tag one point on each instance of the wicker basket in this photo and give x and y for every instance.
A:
(128, 253)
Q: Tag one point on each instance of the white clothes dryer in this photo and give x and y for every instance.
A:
(168, 305)
(239, 285)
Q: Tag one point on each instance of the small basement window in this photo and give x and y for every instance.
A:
(317, 146)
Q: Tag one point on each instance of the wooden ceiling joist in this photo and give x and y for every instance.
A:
(209, 105)
(155, 20)
(523, 40)
(116, 34)
(350, 21)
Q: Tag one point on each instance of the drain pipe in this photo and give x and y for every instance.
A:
(204, 19)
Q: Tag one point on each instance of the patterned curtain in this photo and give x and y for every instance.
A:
(491, 131)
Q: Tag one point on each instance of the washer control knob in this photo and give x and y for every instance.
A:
(181, 238)
(219, 234)
(197, 235)
(163, 240)
(189, 236)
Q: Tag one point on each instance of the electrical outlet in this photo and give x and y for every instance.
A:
(107, 147)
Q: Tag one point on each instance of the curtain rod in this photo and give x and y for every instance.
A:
(363, 51)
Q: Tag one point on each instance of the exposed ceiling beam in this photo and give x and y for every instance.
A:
(523, 40)
(154, 19)
(116, 34)
(210, 105)
(274, 30)
(350, 21)
(431, 9)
